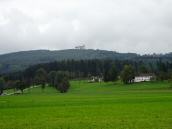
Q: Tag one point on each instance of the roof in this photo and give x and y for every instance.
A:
(147, 74)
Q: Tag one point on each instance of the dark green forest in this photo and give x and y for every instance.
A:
(19, 61)
(80, 69)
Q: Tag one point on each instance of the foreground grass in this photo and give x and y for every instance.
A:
(90, 106)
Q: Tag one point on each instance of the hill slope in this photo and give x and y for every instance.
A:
(21, 60)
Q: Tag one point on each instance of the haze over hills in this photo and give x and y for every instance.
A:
(20, 60)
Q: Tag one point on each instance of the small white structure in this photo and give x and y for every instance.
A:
(95, 79)
(80, 47)
(143, 78)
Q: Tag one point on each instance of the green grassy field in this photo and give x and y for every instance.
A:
(90, 106)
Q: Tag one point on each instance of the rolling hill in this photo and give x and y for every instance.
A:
(20, 60)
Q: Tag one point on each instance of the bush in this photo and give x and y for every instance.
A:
(62, 82)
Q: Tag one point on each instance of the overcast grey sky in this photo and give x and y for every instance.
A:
(141, 26)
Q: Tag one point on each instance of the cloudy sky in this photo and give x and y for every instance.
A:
(141, 26)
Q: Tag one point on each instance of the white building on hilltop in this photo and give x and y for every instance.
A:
(143, 78)
(80, 47)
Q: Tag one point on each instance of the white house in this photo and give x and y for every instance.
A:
(143, 78)
(95, 79)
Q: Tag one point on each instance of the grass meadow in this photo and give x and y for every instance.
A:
(146, 105)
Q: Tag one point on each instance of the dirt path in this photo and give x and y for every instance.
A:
(18, 91)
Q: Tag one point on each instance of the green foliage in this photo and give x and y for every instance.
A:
(143, 69)
(162, 76)
(111, 74)
(20, 60)
(2, 85)
(24, 59)
(62, 82)
(20, 85)
(51, 78)
(84, 68)
(127, 75)
(170, 79)
(41, 77)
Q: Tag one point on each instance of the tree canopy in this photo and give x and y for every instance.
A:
(2, 84)
(41, 77)
(127, 75)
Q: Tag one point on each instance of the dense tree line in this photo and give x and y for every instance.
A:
(85, 68)
(57, 74)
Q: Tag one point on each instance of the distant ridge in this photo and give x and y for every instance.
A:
(20, 60)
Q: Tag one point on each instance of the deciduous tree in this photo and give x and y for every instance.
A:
(20, 85)
(51, 78)
(62, 82)
(41, 77)
(127, 75)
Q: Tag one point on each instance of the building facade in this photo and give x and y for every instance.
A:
(143, 78)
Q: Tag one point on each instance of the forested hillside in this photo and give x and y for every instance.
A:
(20, 60)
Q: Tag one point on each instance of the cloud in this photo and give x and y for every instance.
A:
(125, 26)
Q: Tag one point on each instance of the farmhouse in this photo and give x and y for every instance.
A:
(143, 78)
(95, 79)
